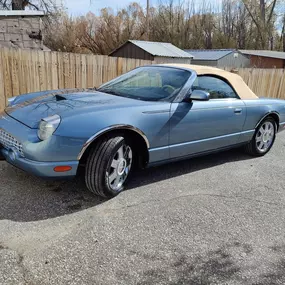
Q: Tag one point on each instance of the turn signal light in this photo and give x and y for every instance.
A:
(63, 168)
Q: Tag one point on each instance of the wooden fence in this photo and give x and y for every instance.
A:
(23, 71)
(265, 82)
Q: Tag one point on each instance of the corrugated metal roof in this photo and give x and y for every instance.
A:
(19, 13)
(161, 49)
(264, 53)
(209, 54)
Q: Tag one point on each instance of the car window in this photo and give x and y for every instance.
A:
(148, 83)
(218, 88)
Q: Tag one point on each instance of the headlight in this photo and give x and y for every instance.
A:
(48, 126)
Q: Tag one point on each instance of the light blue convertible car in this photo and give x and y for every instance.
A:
(148, 116)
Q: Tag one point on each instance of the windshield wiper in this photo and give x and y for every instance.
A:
(109, 91)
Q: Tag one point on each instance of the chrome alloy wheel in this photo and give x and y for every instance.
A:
(120, 167)
(265, 136)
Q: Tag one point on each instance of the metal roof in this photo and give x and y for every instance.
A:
(161, 49)
(209, 54)
(264, 53)
(19, 13)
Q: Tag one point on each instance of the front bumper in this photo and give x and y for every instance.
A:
(38, 158)
(42, 169)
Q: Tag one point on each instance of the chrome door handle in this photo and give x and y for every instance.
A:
(238, 111)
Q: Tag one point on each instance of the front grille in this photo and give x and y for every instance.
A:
(9, 142)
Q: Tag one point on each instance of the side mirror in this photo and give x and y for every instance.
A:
(199, 95)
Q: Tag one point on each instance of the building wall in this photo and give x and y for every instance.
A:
(266, 62)
(231, 62)
(21, 32)
(228, 61)
(130, 50)
(160, 59)
(205, 62)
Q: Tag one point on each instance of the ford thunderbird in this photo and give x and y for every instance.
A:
(148, 116)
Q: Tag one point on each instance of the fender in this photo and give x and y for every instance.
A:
(266, 115)
(108, 129)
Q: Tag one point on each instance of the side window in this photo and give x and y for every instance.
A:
(218, 88)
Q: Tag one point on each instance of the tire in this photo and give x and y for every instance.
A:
(111, 157)
(263, 139)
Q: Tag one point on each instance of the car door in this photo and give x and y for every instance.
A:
(201, 126)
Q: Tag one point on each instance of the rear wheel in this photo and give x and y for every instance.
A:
(263, 138)
(109, 166)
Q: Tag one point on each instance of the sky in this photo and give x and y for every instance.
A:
(81, 7)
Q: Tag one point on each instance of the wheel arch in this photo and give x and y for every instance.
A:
(274, 115)
(131, 131)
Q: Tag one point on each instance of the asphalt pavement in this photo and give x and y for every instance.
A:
(218, 219)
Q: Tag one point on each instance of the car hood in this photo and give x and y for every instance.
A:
(29, 109)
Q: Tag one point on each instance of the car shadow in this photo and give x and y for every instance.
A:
(174, 169)
(25, 198)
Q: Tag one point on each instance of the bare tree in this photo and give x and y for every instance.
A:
(262, 15)
(46, 5)
(190, 25)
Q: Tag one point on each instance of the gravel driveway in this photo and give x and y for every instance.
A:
(218, 219)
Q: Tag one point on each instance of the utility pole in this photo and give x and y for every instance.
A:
(147, 20)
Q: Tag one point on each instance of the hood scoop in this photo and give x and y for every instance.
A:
(59, 97)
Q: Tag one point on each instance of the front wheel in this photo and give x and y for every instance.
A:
(108, 166)
(263, 138)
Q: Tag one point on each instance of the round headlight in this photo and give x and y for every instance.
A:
(48, 126)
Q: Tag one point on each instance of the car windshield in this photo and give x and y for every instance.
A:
(148, 83)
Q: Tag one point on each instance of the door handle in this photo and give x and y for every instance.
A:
(238, 111)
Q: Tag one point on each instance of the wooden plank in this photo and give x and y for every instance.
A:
(28, 70)
(54, 71)
(48, 70)
(66, 69)
(14, 61)
(60, 71)
(7, 74)
(41, 70)
(72, 75)
(83, 63)
(22, 73)
(89, 71)
(2, 82)
(279, 83)
(78, 75)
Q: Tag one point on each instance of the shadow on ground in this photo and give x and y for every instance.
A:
(218, 266)
(227, 264)
(167, 171)
(27, 198)
(276, 275)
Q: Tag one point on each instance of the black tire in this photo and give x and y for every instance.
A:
(99, 163)
(251, 148)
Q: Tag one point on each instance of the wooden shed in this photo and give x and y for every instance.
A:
(265, 58)
(156, 51)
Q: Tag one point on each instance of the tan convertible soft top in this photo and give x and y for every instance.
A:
(235, 80)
